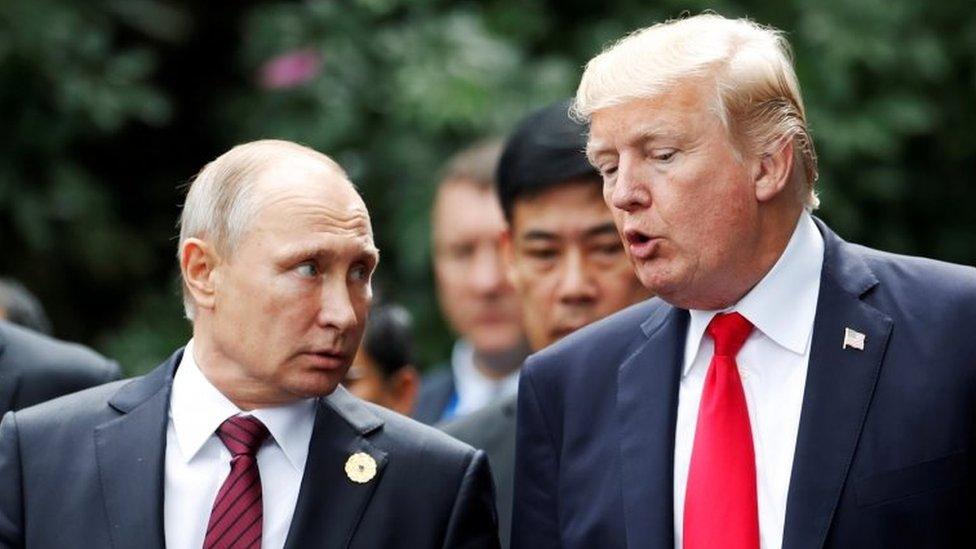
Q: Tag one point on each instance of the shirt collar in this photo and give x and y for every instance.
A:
(470, 383)
(784, 303)
(197, 409)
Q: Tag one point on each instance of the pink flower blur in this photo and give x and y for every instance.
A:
(290, 69)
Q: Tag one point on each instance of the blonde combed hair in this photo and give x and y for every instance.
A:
(221, 201)
(757, 95)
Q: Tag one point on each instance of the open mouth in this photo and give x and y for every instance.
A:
(640, 244)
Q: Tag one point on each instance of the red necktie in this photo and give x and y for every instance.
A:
(235, 521)
(720, 502)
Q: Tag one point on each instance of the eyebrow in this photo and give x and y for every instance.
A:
(294, 254)
(600, 230)
(593, 232)
(536, 234)
(644, 133)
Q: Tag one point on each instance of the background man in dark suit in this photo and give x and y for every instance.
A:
(475, 297)
(786, 388)
(563, 256)
(35, 368)
(243, 438)
(19, 306)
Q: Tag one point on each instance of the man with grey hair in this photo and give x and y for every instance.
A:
(477, 300)
(785, 388)
(244, 438)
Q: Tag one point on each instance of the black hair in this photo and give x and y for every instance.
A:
(388, 338)
(546, 149)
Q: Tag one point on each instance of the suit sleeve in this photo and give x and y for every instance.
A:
(535, 516)
(473, 522)
(11, 498)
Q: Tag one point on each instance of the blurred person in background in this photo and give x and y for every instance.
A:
(244, 437)
(564, 257)
(20, 306)
(784, 388)
(35, 367)
(475, 296)
(383, 372)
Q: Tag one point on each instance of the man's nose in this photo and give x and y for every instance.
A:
(575, 285)
(337, 310)
(631, 188)
(487, 273)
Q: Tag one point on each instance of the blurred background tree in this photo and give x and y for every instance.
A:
(110, 106)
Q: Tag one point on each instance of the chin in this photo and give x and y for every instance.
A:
(314, 385)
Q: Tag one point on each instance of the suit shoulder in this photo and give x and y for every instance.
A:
(36, 354)
(84, 408)
(481, 425)
(923, 283)
(414, 437)
(603, 341)
(929, 273)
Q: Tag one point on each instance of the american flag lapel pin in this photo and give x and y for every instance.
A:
(853, 339)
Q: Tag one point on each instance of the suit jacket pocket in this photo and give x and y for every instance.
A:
(937, 474)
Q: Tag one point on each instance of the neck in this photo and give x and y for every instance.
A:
(246, 392)
(497, 365)
(774, 230)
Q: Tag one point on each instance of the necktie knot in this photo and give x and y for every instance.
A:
(729, 331)
(242, 435)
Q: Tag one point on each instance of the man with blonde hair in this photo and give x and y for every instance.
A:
(785, 388)
(244, 437)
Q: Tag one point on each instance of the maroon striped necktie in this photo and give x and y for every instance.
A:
(235, 521)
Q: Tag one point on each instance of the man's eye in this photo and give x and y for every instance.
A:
(542, 253)
(307, 270)
(610, 249)
(608, 170)
(359, 273)
(665, 156)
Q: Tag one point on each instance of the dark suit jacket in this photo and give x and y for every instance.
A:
(436, 394)
(885, 450)
(35, 368)
(87, 470)
(492, 429)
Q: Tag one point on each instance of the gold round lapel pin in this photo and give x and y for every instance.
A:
(360, 467)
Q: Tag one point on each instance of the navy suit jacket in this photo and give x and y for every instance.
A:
(885, 450)
(87, 470)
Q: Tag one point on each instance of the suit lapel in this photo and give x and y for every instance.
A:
(330, 505)
(840, 384)
(647, 403)
(130, 452)
(9, 378)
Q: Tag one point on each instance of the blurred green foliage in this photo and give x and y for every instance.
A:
(109, 106)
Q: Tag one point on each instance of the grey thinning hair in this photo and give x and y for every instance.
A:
(757, 94)
(475, 164)
(221, 201)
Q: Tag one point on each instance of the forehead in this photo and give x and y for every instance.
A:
(295, 200)
(465, 210)
(565, 210)
(680, 111)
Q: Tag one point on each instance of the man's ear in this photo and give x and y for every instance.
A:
(198, 261)
(774, 170)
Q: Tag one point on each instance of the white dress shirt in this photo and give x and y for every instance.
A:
(474, 389)
(197, 462)
(773, 367)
